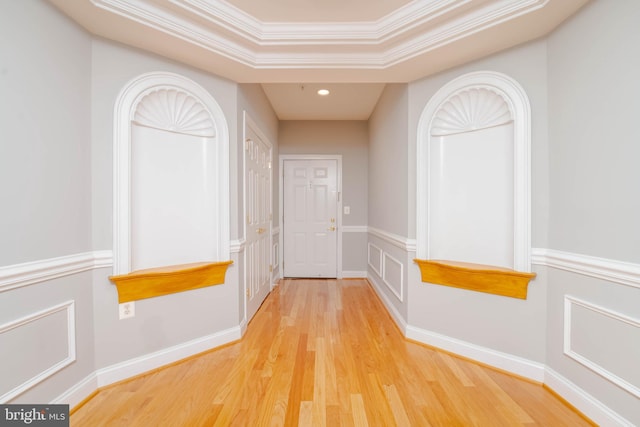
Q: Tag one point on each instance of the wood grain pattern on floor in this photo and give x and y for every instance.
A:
(325, 353)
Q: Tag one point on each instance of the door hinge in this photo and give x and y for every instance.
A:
(271, 269)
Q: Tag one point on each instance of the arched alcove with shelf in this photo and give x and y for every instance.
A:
(171, 197)
(473, 188)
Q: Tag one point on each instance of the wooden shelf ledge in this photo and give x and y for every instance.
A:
(476, 277)
(167, 280)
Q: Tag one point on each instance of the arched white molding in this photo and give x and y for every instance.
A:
(472, 109)
(470, 102)
(173, 103)
(173, 110)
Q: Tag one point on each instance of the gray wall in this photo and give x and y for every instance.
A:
(45, 100)
(45, 154)
(389, 187)
(500, 323)
(594, 105)
(349, 139)
(173, 319)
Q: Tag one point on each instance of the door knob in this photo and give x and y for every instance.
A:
(332, 228)
(260, 230)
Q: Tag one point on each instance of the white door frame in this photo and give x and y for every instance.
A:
(338, 159)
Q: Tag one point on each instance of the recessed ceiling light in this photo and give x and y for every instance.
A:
(323, 92)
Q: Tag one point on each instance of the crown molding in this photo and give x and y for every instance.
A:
(412, 31)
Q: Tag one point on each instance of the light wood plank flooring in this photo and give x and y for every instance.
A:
(325, 353)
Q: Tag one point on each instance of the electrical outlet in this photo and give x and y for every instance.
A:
(127, 310)
(347, 210)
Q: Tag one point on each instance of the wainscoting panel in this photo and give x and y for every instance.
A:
(37, 346)
(604, 341)
(392, 275)
(375, 259)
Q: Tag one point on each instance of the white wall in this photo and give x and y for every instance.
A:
(594, 105)
(349, 139)
(45, 100)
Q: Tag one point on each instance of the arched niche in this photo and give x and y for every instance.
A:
(171, 178)
(473, 179)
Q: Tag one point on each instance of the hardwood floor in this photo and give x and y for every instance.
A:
(325, 353)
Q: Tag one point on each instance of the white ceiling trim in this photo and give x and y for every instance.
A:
(397, 23)
(238, 36)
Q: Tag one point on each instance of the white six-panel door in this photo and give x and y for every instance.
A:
(258, 220)
(310, 218)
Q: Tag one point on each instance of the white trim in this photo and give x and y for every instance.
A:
(400, 294)
(355, 229)
(18, 275)
(401, 35)
(147, 362)
(339, 230)
(400, 321)
(124, 110)
(275, 230)
(354, 274)
(591, 407)
(373, 267)
(518, 102)
(249, 123)
(236, 246)
(78, 392)
(508, 362)
(404, 243)
(69, 307)
(569, 301)
(625, 273)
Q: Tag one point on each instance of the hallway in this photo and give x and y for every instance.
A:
(325, 352)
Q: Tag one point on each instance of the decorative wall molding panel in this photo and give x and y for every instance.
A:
(374, 258)
(393, 275)
(28, 273)
(31, 321)
(622, 355)
(624, 273)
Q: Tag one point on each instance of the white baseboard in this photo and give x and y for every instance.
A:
(504, 361)
(78, 392)
(141, 364)
(395, 315)
(595, 410)
(354, 274)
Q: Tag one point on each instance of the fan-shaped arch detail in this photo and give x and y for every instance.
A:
(470, 110)
(174, 111)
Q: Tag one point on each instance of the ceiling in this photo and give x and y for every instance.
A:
(294, 47)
